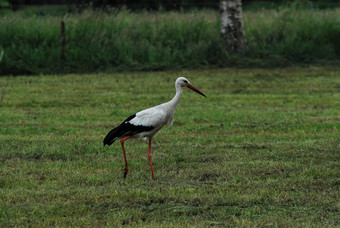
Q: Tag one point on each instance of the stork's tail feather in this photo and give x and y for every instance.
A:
(113, 135)
(117, 132)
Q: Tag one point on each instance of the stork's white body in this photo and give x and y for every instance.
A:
(157, 116)
(148, 122)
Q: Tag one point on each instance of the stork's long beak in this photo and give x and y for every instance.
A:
(196, 90)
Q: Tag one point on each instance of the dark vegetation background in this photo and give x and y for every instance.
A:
(110, 36)
(157, 4)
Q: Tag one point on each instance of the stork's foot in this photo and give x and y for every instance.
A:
(125, 172)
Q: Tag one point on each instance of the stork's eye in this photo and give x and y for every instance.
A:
(185, 81)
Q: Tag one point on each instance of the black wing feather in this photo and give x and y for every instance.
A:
(125, 129)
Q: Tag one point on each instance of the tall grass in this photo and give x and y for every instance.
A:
(294, 34)
(120, 41)
(123, 40)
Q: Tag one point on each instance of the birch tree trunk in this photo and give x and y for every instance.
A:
(232, 32)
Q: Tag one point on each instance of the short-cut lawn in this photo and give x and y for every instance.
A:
(263, 149)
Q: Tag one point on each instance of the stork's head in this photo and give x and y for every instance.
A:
(183, 82)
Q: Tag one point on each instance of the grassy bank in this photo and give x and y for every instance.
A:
(127, 41)
(261, 150)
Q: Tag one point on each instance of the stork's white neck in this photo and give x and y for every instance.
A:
(174, 101)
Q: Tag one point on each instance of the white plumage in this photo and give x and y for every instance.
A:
(148, 122)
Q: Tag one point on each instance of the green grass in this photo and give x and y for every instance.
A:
(261, 150)
(115, 41)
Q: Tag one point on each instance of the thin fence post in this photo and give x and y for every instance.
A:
(63, 41)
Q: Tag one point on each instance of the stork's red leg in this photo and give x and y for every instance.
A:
(149, 155)
(126, 164)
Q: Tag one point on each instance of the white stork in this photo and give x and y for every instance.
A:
(147, 122)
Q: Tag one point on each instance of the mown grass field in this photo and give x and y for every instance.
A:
(261, 150)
